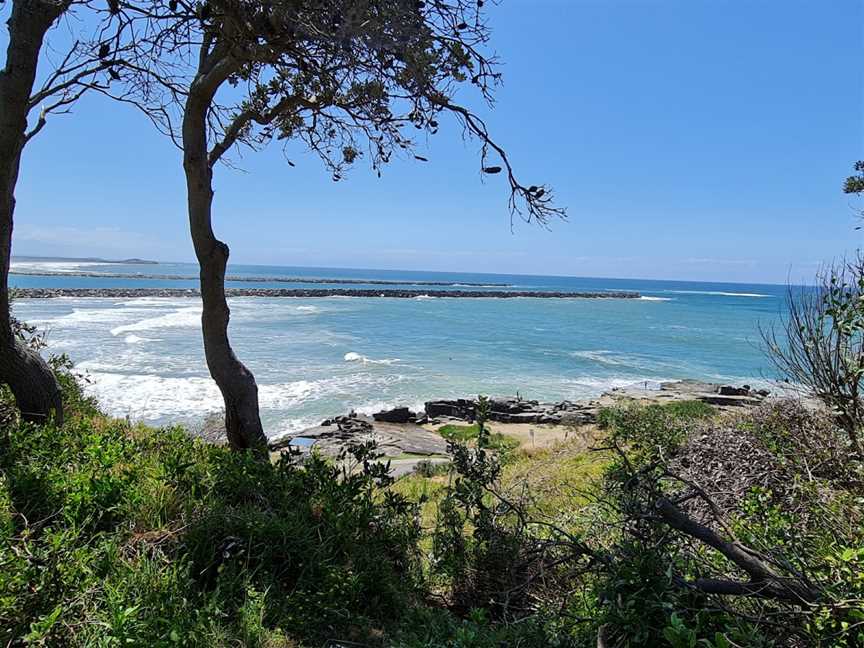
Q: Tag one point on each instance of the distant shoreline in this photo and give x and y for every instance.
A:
(41, 259)
(253, 279)
(131, 293)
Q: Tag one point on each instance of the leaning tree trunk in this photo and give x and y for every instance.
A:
(31, 381)
(235, 381)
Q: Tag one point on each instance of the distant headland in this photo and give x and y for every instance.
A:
(84, 260)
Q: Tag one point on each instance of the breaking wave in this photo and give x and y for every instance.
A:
(182, 318)
(351, 356)
(717, 293)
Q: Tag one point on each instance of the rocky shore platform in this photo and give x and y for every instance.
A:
(131, 293)
(409, 437)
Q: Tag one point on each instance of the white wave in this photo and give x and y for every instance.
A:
(308, 309)
(151, 397)
(147, 302)
(351, 356)
(603, 357)
(91, 316)
(596, 386)
(644, 298)
(423, 297)
(469, 285)
(287, 395)
(53, 266)
(182, 318)
(370, 407)
(290, 427)
(719, 293)
(134, 339)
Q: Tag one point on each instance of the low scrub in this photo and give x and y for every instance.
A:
(495, 441)
(112, 534)
(680, 527)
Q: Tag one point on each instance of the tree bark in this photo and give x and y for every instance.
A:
(235, 381)
(28, 376)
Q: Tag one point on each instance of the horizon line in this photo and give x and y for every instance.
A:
(96, 259)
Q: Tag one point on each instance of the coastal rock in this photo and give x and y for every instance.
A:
(712, 394)
(728, 390)
(395, 415)
(462, 408)
(212, 429)
(515, 410)
(393, 439)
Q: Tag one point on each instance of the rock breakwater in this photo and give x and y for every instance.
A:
(131, 293)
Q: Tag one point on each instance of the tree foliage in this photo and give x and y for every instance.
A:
(855, 183)
(349, 79)
(819, 344)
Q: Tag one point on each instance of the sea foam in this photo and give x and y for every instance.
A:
(717, 293)
(352, 356)
(182, 318)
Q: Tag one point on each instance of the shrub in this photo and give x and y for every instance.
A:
(500, 443)
(819, 344)
(681, 503)
(652, 431)
(113, 534)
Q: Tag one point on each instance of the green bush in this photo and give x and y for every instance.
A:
(119, 535)
(500, 443)
(652, 431)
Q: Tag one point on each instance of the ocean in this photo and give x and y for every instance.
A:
(319, 357)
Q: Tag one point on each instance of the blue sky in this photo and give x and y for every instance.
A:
(702, 140)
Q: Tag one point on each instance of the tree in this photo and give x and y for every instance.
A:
(347, 78)
(854, 184)
(31, 381)
(820, 342)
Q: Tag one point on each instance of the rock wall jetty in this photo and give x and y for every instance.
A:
(131, 293)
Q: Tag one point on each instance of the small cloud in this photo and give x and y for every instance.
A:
(729, 262)
(446, 254)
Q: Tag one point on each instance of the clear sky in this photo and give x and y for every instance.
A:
(689, 139)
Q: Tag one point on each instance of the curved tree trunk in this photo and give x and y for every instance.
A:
(25, 372)
(235, 381)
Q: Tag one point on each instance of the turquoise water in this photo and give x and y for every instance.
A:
(314, 358)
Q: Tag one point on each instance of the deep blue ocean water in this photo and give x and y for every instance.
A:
(315, 358)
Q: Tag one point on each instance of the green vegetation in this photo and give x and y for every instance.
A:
(495, 441)
(115, 534)
(122, 535)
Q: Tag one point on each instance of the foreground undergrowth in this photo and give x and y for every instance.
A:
(113, 534)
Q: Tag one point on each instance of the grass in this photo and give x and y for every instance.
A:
(685, 410)
(501, 443)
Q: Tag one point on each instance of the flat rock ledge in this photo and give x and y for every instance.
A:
(131, 293)
(393, 439)
(400, 430)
